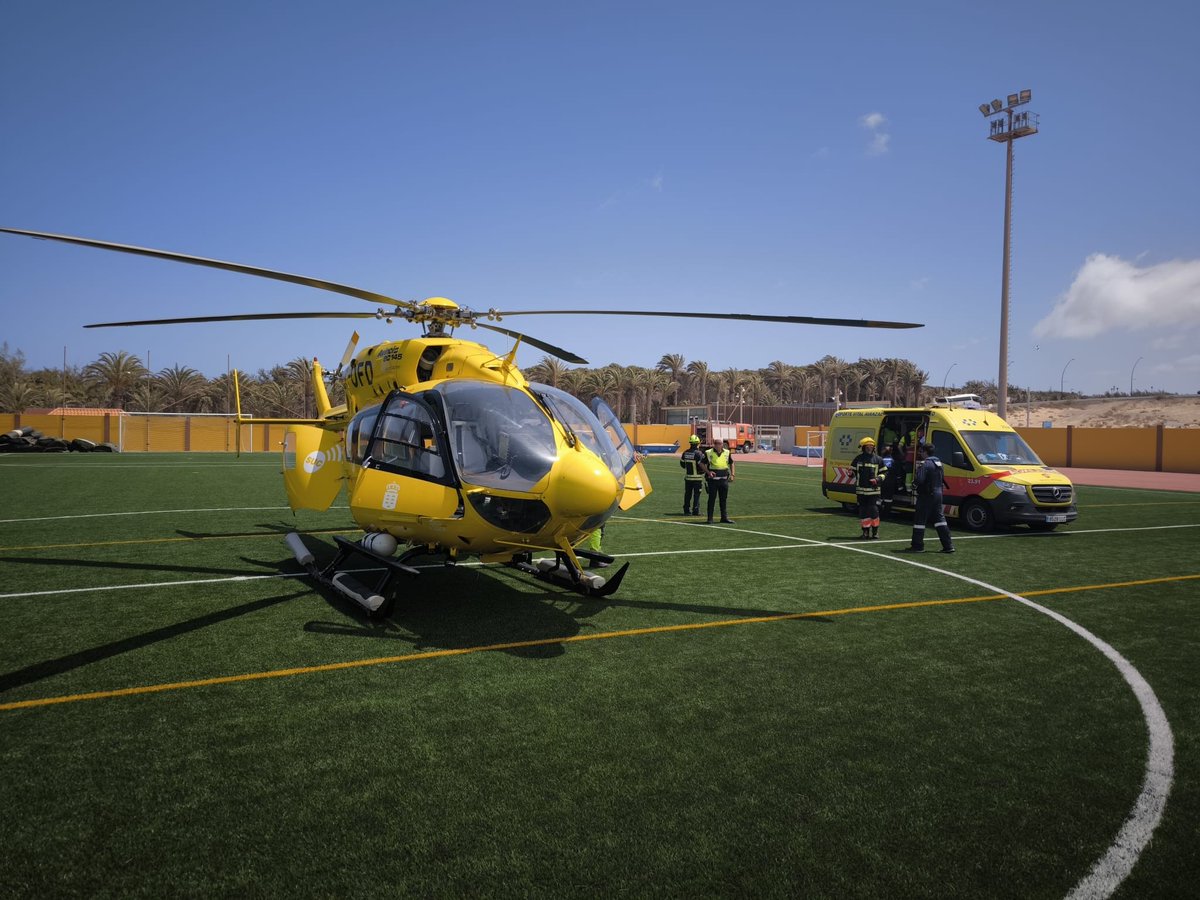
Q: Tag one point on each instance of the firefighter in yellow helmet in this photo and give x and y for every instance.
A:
(868, 487)
(692, 462)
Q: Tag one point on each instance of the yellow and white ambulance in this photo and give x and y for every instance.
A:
(992, 476)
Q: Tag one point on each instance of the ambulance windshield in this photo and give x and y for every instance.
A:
(992, 447)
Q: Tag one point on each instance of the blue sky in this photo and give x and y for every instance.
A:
(757, 157)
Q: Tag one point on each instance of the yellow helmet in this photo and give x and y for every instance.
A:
(867, 440)
(693, 439)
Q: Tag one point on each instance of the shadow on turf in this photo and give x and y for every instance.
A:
(459, 608)
(63, 664)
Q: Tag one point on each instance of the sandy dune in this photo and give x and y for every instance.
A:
(1173, 412)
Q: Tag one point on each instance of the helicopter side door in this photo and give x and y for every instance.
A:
(404, 472)
(637, 482)
(312, 470)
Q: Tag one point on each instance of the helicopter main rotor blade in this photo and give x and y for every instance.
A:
(565, 355)
(249, 317)
(751, 317)
(318, 283)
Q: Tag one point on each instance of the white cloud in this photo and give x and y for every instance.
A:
(821, 153)
(657, 182)
(1171, 341)
(1110, 294)
(919, 284)
(874, 123)
(1184, 365)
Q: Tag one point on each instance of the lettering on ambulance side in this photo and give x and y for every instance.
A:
(961, 487)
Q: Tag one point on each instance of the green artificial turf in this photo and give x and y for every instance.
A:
(795, 746)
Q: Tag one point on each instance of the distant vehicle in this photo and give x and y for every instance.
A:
(966, 401)
(992, 476)
(738, 436)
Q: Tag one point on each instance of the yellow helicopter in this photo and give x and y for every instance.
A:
(444, 447)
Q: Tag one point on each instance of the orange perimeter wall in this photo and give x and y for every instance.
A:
(1136, 449)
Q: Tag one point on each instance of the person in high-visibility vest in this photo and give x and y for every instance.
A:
(692, 461)
(868, 486)
(719, 463)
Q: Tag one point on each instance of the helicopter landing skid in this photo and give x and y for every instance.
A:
(559, 571)
(374, 600)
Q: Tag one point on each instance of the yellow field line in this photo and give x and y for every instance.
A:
(541, 642)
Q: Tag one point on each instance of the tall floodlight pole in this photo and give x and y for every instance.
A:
(1131, 371)
(1006, 131)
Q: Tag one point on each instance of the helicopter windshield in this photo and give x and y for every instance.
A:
(612, 426)
(571, 412)
(498, 436)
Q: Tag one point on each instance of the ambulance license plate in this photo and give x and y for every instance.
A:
(1052, 519)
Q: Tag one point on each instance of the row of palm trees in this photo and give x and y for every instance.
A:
(121, 381)
(638, 394)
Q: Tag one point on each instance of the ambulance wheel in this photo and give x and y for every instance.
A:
(977, 516)
(849, 507)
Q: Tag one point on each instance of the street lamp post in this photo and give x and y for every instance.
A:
(1063, 379)
(1005, 132)
(1131, 371)
(946, 379)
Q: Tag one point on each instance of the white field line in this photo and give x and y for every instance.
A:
(1118, 861)
(795, 543)
(123, 465)
(152, 512)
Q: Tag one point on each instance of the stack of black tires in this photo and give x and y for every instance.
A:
(30, 440)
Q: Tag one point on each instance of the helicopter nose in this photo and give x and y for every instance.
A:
(583, 485)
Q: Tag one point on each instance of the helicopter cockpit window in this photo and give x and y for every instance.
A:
(499, 437)
(616, 433)
(571, 412)
(405, 440)
(358, 435)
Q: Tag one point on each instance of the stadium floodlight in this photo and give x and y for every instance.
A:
(1001, 134)
(985, 108)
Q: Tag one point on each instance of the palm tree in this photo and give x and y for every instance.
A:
(180, 386)
(18, 395)
(673, 364)
(601, 383)
(875, 370)
(778, 377)
(548, 370)
(115, 374)
(299, 371)
(572, 380)
(655, 385)
(698, 369)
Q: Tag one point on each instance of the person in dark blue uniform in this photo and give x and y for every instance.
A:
(694, 467)
(928, 482)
